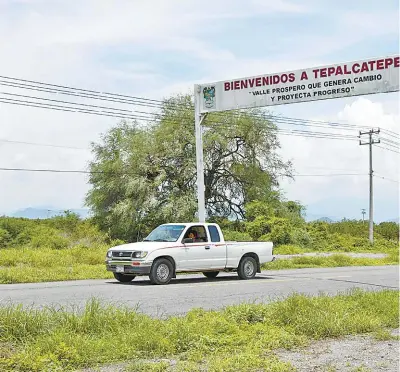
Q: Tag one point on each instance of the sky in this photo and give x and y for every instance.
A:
(156, 48)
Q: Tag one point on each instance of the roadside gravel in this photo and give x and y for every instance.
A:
(360, 353)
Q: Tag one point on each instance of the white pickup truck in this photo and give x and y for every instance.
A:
(186, 247)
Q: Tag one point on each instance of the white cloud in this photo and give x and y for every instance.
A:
(326, 156)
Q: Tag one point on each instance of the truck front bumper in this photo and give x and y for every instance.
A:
(135, 268)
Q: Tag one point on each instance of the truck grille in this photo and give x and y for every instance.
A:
(122, 254)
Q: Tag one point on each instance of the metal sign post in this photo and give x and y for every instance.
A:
(198, 119)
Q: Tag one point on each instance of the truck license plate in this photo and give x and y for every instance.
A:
(119, 269)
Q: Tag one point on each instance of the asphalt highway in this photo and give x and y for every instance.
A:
(195, 291)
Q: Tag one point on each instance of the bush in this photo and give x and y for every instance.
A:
(388, 230)
(5, 238)
(280, 230)
(300, 237)
(237, 236)
(318, 231)
(257, 227)
(49, 240)
(288, 249)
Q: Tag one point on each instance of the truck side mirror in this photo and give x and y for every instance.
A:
(187, 240)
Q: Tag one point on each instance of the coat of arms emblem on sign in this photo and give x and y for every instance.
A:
(209, 97)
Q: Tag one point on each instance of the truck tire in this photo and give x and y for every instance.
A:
(123, 278)
(210, 274)
(247, 268)
(161, 271)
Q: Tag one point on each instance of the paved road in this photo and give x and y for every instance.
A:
(193, 291)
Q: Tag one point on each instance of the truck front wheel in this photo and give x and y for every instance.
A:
(123, 278)
(247, 268)
(161, 271)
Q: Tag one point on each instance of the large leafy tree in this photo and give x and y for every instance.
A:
(143, 175)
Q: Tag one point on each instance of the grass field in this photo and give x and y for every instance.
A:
(336, 260)
(65, 248)
(44, 265)
(241, 337)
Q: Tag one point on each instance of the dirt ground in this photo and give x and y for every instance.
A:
(359, 353)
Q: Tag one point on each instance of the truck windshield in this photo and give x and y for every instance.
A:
(165, 233)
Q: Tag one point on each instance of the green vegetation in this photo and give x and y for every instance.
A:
(336, 260)
(61, 248)
(241, 337)
(67, 248)
(146, 175)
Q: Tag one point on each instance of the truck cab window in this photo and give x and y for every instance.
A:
(214, 234)
(197, 233)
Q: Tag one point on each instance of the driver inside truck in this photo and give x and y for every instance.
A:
(192, 234)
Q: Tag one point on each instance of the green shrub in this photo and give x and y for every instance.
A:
(388, 230)
(52, 241)
(300, 237)
(318, 231)
(279, 230)
(15, 226)
(288, 249)
(237, 236)
(257, 227)
(5, 238)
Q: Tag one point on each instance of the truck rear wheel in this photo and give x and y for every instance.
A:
(247, 268)
(161, 271)
(123, 278)
(211, 274)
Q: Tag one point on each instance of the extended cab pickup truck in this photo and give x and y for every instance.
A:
(186, 247)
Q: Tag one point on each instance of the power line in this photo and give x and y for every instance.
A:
(69, 109)
(386, 178)
(149, 117)
(329, 175)
(54, 171)
(390, 143)
(42, 144)
(127, 99)
(130, 173)
(132, 115)
(141, 115)
(385, 148)
(305, 134)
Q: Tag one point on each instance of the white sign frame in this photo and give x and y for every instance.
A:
(355, 78)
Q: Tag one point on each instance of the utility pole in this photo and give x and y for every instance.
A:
(370, 142)
(363, 213)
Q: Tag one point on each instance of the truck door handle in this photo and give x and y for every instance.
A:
(207, 247)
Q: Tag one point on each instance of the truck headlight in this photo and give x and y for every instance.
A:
(109, 254)
(139, 254)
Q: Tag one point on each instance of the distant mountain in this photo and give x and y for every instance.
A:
(337, 208)
(325, 219)
(41, 213)
(320, 217)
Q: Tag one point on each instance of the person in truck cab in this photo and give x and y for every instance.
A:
(193, 235)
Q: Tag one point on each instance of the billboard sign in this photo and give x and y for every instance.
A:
(370, 76)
